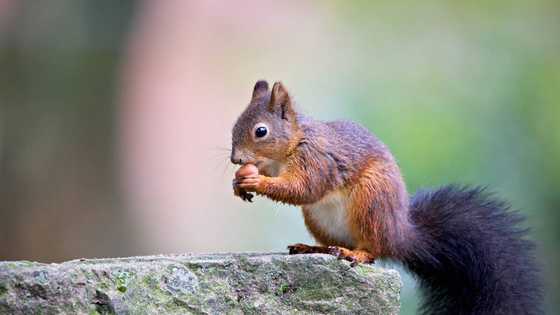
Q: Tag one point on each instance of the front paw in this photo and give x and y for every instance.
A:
(250, 183)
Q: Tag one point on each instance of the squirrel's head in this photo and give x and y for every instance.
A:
(267, 130)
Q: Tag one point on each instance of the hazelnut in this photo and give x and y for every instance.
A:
(247, 170)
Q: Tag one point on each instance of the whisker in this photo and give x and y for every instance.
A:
(227, 167)
(223, 149)
(222, 154)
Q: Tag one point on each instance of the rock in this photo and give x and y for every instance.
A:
(198, 284)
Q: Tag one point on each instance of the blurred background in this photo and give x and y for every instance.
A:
(115, 116)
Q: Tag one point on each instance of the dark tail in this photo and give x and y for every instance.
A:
(471, 256)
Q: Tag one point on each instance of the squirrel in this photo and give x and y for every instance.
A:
(464, 245)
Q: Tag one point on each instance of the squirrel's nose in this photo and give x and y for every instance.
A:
(235, 158)
(237, 161)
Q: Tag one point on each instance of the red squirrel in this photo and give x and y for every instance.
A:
(464, 245)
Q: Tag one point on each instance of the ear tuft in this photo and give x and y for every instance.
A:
(281, 102)
(260, 89)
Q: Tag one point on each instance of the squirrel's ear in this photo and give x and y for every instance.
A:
(281, 102)
(260, 89)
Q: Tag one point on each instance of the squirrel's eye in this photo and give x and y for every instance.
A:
(261, 132)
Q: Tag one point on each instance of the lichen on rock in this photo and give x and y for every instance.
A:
(199, 284)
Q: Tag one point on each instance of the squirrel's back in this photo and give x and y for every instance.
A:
(345, 141)
(354, 138)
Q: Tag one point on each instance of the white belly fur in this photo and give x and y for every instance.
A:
(330, 216)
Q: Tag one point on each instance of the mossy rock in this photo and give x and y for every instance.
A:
(199, 284)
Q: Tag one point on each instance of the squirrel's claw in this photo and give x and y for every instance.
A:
(336, 252)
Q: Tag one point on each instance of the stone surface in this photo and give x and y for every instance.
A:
(199, 284)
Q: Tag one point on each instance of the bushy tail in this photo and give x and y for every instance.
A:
(471, 256)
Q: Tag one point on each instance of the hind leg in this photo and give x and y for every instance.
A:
(356, 256)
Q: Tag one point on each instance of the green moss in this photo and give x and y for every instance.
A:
(122, 279)
(318, 294)
(102, 286)
(248, 308)
(283, 289)
(5, 309)
(364, 270)
(157, 295)
(150, 282)
(3, 289)
(246, 265)
(230, 302)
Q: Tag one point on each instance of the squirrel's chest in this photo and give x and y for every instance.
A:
(327, 219)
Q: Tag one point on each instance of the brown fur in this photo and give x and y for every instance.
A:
(377, 208)
(319, 158)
